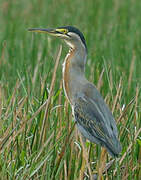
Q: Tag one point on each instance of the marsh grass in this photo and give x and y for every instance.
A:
(38, 137)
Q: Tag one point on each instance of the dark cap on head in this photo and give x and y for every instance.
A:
(75, 30)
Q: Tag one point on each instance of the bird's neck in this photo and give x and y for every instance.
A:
(76, 60)
(73, 71)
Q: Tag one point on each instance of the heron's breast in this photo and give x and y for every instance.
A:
(67, 76)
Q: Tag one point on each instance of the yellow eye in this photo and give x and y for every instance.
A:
(64, 31)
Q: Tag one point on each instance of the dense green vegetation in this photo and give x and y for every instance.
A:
(38, 139)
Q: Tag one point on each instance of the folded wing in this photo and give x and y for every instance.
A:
(95, 122)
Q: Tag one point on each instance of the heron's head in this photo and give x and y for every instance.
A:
(71, 35)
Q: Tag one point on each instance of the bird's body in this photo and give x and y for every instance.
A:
(92, 116)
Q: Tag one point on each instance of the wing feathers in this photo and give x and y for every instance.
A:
(93, 120)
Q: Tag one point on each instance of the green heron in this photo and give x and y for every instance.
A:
(93, 117)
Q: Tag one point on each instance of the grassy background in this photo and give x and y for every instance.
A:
(35, 119)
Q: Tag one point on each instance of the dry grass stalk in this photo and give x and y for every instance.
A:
(118, 104)
(61, 155)
(51, 92)
(0, 106)
(125, 110)
(23, 124)
(85, 157)
(128, 150)
(65, 170)
(102, 163)
(42, 85)
(99, 84)
(12, 100)
(136, 104)
(9, 137)
(71, 157)
(43, 146)
(35, 72)
(2, 58)
(59, 110)
(111, 79)
(131, 70)
(82, 170)
(117, 95)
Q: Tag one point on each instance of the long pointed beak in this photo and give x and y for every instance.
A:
(40, 30)
(58, 32)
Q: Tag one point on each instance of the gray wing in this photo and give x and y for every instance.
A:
(95, 121)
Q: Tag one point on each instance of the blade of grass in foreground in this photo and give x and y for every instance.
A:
(51, 93)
